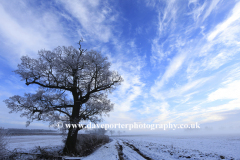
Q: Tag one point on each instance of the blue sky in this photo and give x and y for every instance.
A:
(179, 59)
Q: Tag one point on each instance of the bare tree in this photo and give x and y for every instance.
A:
(112, 132)
(119, 133)
(73, 86)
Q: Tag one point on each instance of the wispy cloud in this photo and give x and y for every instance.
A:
(171, 70)
(130, 69)
(210, 9)
(235, 15)
(165, 27)
(95, 17)
(28, 35)
(196, 63)
(190, 86)
(197, 10)
(164, 113)
(231, 91)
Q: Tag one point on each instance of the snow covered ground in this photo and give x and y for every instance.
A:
(187, 147)
(150, 147)
(29, 142)
(170, 147)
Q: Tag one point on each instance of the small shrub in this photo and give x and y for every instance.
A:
(87, 143)
(39, 153)
(46, 152)
(3, 143)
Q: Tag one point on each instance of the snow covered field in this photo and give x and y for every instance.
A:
(170, 147)
(29, 142)
(150, 147)
(177, 147)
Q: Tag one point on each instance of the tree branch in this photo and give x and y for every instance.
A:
(59, 110)
(48, 86)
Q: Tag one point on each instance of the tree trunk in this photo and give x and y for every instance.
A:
(70, 145)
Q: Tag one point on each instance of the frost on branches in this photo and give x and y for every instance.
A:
(84, 74)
